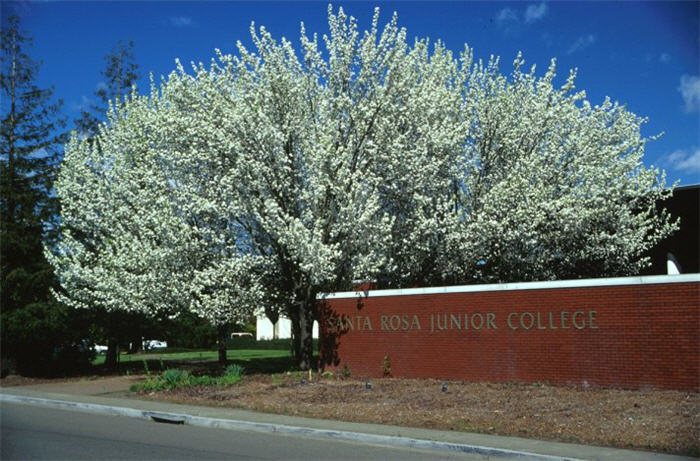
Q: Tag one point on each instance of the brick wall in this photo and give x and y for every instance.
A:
(630, 336)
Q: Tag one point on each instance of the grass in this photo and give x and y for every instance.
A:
(199, 355)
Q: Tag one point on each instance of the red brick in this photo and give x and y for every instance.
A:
(647, 336)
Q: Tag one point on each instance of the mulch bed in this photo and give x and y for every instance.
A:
(657, 420)
(17, 380)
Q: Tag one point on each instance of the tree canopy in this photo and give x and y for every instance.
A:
(275, 174)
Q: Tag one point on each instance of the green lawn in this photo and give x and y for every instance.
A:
(231, 354)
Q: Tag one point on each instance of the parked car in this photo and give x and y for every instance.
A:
(149, 344)
(241, 335)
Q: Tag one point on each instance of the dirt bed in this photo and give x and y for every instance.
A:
(664, 421)
(17, 380)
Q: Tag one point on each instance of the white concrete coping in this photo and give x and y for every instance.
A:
(580, 283)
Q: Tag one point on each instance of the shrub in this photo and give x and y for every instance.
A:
(386, 366)
(45, 339)
(174, 378)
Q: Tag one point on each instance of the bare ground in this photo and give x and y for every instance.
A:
(657, 420)
(17, 380)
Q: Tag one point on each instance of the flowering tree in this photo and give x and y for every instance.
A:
(316, 137)
(272, 175)
(137, 231)
(552, 187)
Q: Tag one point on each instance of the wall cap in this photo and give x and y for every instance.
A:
(580, 283)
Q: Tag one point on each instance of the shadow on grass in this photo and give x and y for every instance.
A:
(255, 365)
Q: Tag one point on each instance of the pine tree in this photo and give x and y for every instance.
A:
(31, 139)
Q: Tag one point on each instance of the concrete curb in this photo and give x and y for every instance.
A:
(179, 418)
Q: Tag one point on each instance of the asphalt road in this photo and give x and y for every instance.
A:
(33, 432)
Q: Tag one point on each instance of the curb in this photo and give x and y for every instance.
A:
(230, 424)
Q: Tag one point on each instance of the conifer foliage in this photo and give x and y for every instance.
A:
(120, 74)
(35, 330)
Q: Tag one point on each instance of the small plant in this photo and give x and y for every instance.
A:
(232, 375)
(174, 377)
(386, 366)
(145, 367)
(346, 370)
(234, 370)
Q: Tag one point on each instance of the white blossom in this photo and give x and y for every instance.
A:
(271, 175)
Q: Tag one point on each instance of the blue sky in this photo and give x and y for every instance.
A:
(643, 54)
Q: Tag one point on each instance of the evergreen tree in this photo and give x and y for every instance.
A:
(33, 327)
(120, 73)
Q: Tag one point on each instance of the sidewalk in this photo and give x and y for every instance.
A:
(111, 396)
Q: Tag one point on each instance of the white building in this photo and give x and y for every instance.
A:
(264, 329)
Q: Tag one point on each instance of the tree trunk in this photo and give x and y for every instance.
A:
(222, 331)
(306, 346)
(136, 345)
(111, 359)
(296, 336)
(307, 314)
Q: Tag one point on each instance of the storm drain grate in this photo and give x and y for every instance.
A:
(166, 418)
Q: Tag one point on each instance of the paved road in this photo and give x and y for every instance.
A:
(32, 432)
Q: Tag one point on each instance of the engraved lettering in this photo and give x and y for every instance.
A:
(384, 320)
(539, 322)
(444, 323)
(481, 321)
(455, 320)
(394, 322)
(532, 320)
(528, 320)
(564, 318)
(491, 321)
(415, 325)
(508, 320)
(591, 319)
